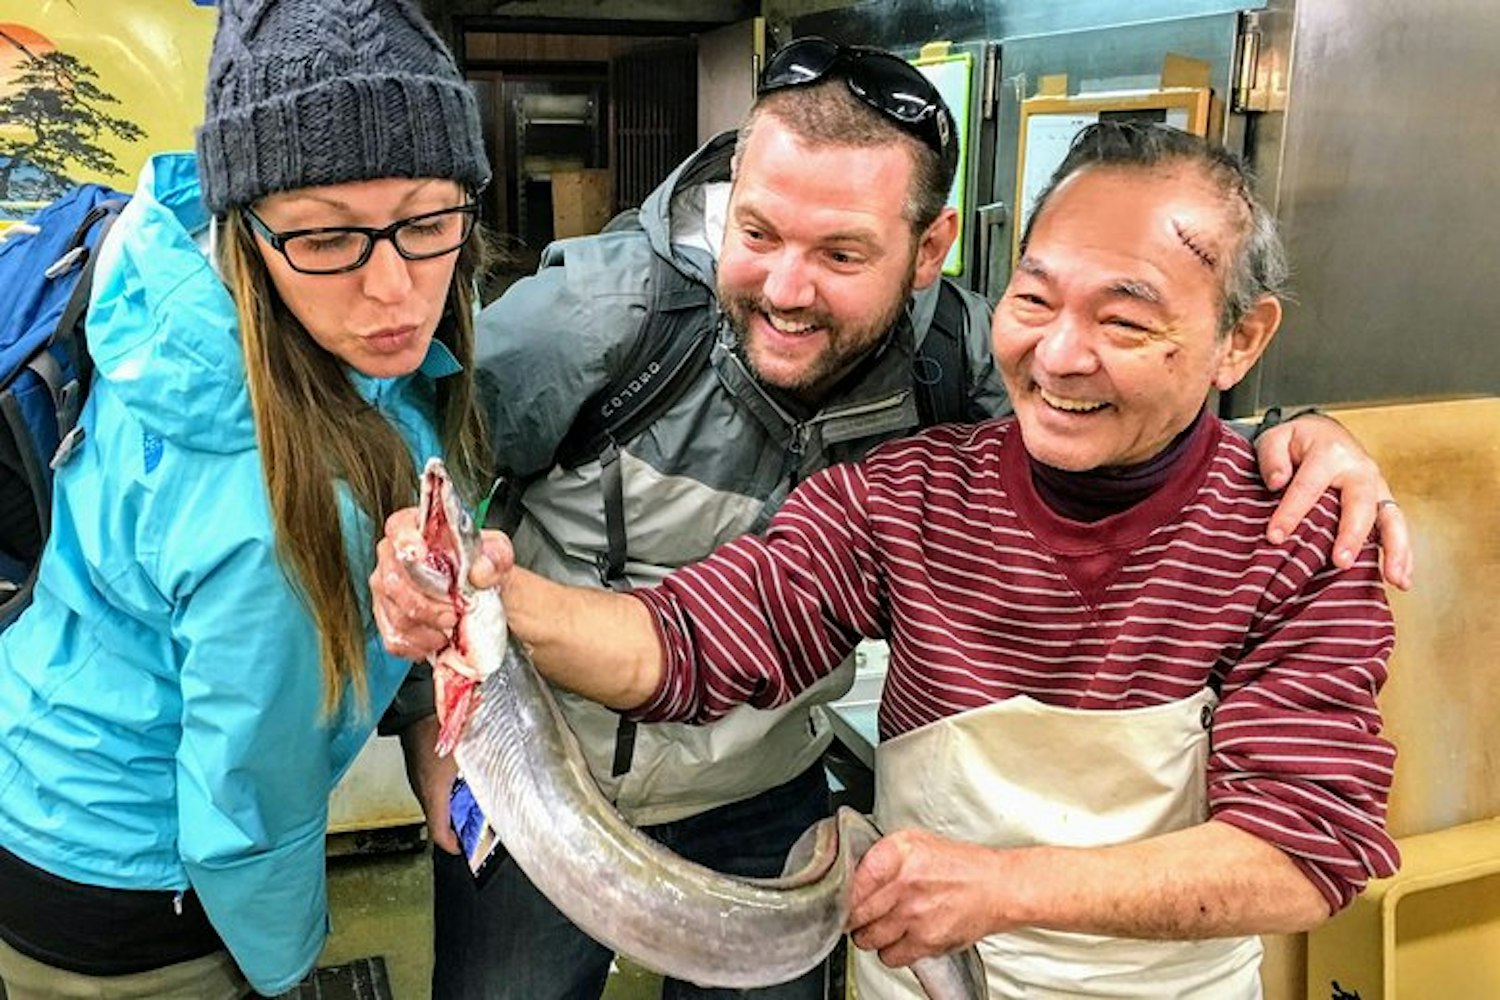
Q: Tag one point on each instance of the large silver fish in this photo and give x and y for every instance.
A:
(524, 768)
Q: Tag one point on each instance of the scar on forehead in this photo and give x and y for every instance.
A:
(1198, 244)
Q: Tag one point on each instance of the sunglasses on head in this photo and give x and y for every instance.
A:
(885, 82)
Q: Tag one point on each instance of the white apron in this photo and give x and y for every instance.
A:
(1021, 773)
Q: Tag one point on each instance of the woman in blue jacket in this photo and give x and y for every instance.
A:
(280, 327)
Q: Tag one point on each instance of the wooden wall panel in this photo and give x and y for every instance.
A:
(494, 46)
(1443, 699)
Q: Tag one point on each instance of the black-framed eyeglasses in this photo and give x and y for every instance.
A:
(337, 249)
(885, 82)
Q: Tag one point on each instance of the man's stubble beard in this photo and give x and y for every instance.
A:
(843, 349)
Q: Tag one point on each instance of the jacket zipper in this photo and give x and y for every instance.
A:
(795, 450)
(860, 409)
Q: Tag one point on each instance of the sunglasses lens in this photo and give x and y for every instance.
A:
(899, 89)
(901, 92)
(890, 85)
(803, 61)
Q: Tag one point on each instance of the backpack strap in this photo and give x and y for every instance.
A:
(71, 326)
(940, 370)
(67, 394)
(672, 347)
(612, 572)
(70, 321)
(611, 561)
(668, 351)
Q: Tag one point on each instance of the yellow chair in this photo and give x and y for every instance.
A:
(1433, 931)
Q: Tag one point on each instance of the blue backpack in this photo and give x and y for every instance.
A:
(46, 267)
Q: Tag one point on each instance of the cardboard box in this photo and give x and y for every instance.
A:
(581, 202)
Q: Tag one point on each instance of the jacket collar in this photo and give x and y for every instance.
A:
(437, 363)
(875, 400)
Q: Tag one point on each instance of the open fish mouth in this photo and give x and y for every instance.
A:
(451, 540)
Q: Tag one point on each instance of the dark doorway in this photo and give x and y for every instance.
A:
(570, 108)
(656, 115)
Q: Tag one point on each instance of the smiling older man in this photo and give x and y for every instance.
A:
(1122, 732)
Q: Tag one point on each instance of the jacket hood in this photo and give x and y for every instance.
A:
(710, 163)
(162, 327)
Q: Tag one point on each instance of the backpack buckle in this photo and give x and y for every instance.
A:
(65, 448)
(62, 265)
(69, 403)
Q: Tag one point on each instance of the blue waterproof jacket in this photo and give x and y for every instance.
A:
(160, 700)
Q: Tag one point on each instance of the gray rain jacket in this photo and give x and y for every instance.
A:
(715, 465)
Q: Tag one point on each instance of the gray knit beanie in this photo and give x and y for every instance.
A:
(303, 93)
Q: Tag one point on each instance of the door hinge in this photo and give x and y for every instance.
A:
(1260, 75)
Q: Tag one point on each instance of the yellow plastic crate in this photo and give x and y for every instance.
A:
(1431, 931)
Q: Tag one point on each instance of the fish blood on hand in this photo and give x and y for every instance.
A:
(441, 560)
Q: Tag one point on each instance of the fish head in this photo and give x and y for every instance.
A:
(450, 538)
(476, 645)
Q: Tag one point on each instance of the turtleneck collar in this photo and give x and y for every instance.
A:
(1098, 493)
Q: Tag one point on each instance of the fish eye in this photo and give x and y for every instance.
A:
(465, 522)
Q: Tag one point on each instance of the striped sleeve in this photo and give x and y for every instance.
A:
(1297, 756)
(934, 542)
(764, 618)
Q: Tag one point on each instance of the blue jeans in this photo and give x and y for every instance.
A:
(505, 941)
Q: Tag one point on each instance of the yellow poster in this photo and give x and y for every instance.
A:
(90, 88)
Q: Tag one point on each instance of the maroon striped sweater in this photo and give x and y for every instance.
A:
(941, 544)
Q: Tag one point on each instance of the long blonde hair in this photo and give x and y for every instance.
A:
(314, 429)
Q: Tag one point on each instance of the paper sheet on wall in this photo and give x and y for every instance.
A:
(952, 78)
(1048, 137)
(118, 81)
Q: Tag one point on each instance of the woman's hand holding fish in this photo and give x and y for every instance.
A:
(617, 663)
(415, 621)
